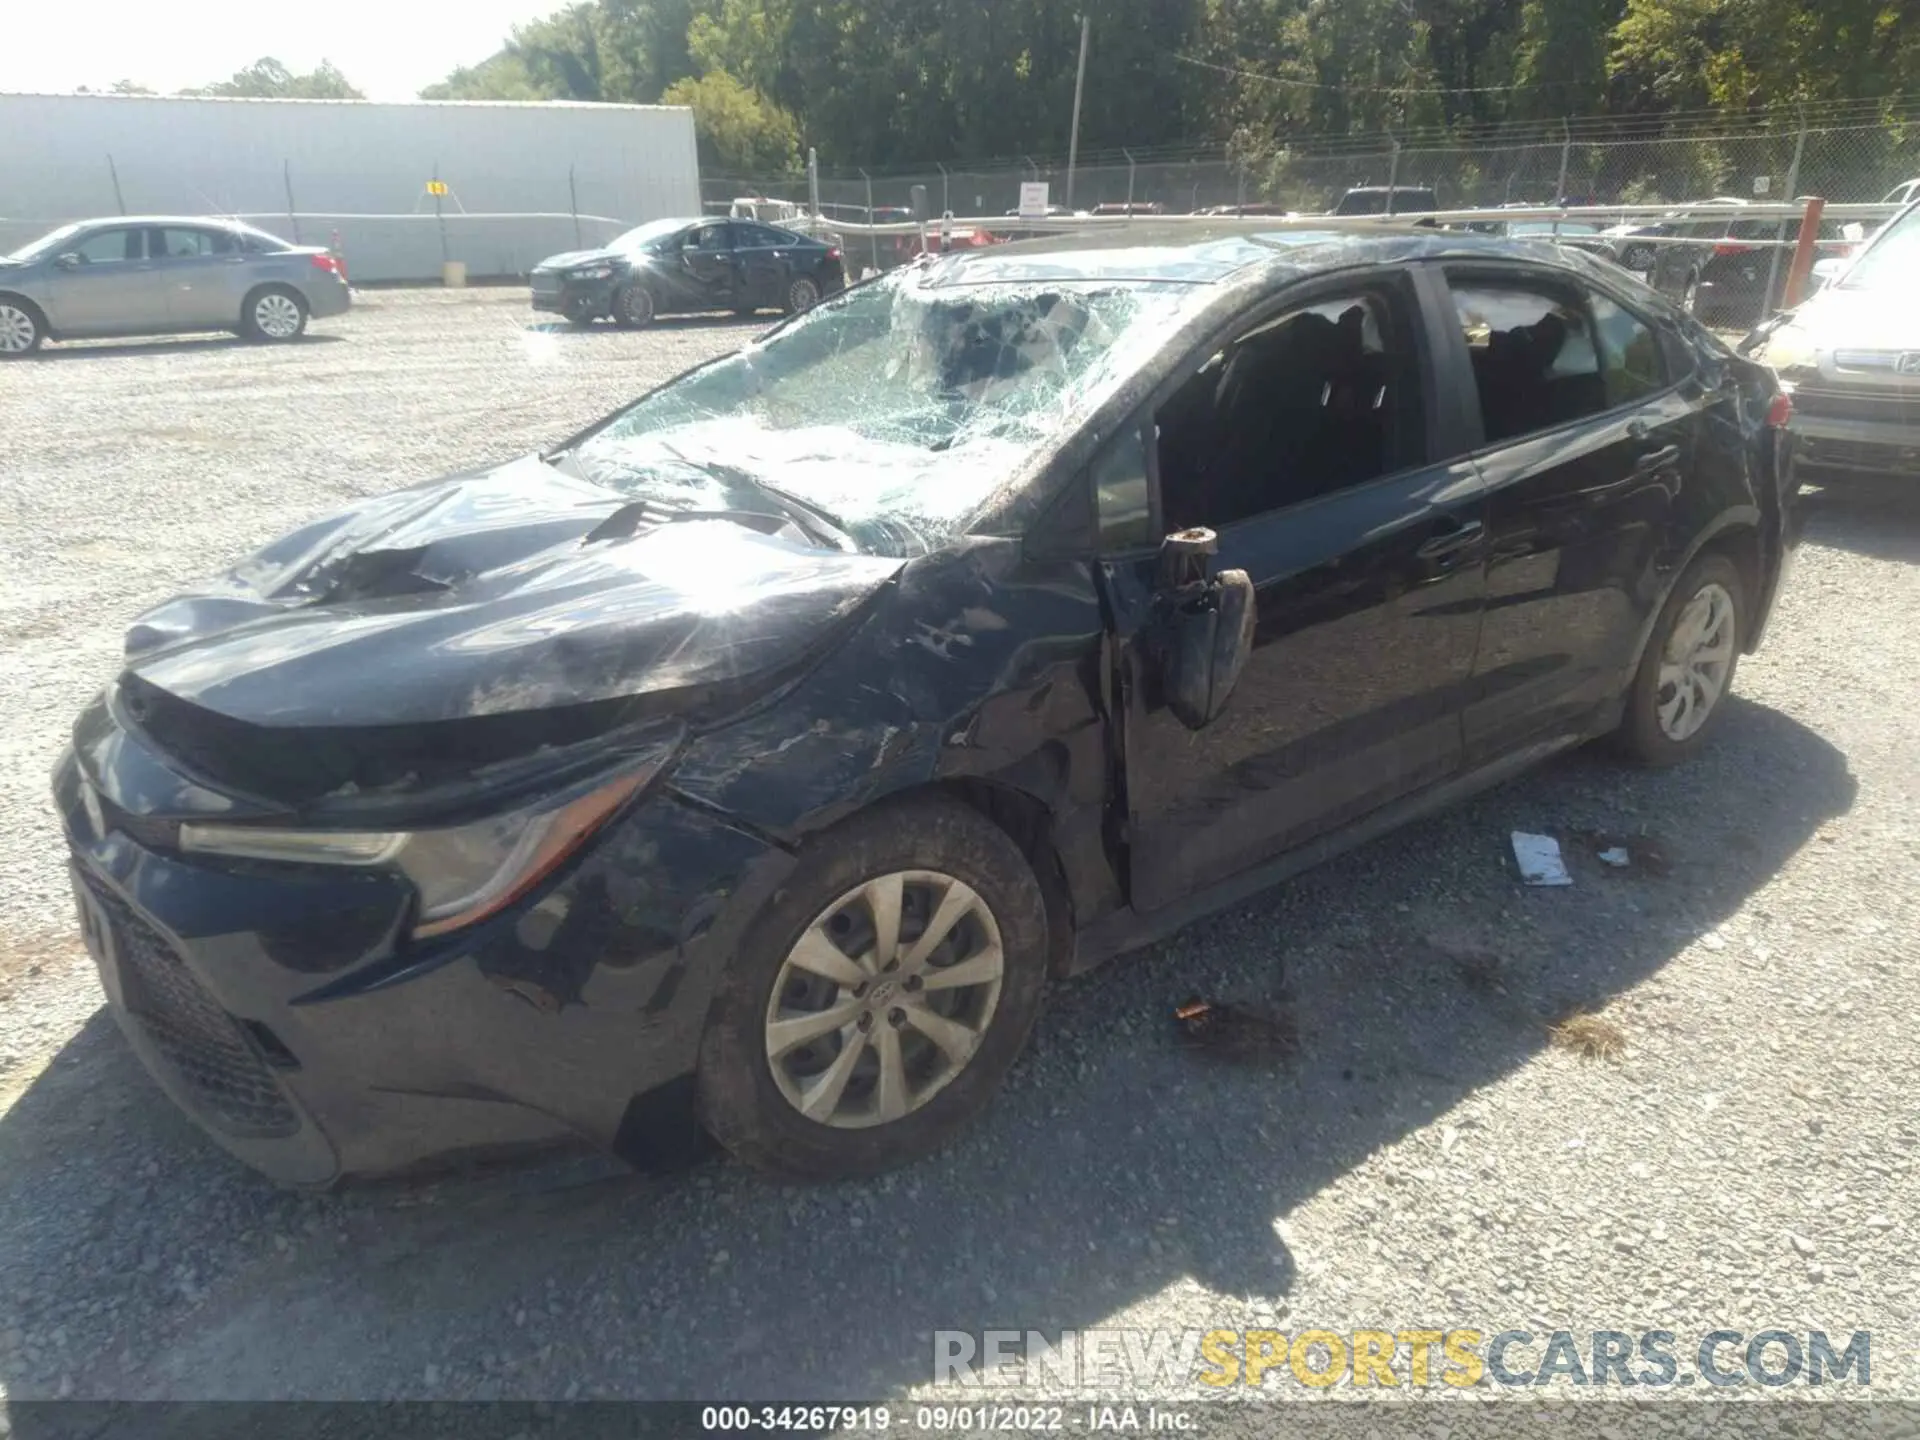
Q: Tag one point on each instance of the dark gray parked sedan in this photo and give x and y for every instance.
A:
(163, 275)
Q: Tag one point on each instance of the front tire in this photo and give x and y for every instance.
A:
(879, 1001)
(633, 308)
(579, 311)
(274, 314)
(1681, 687)
(21, 328)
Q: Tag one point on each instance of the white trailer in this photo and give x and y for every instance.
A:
(511, 182)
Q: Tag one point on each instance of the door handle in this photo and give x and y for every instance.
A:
(1451, 542)
(1661, 459)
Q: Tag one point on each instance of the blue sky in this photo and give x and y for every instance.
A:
(389, 48)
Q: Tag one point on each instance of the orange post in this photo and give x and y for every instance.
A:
(1803, 253)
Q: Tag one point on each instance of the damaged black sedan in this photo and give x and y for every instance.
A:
(777, 739)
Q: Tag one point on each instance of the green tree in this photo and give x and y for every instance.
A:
(268, 79)
(739, 130)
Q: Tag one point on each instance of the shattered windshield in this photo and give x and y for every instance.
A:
(895, 410)
(1890, 259)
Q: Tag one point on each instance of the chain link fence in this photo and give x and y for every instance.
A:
(1578, 162)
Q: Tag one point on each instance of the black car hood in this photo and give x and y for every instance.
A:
(573, 259)
(519, 591)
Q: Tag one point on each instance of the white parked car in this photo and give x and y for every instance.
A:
(1850, 356)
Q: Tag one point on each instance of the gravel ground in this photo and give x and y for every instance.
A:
(1428, 1158)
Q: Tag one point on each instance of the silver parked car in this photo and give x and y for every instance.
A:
(1850, 357)
(163, 275)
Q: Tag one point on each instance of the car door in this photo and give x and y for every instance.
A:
(204, 273)
(1303, 436)
(107, 287)
(707, 257)
(762, 257)
(1584, 440)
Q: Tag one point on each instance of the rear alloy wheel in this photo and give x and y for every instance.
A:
(1688, 666)
(276, 315)
(803, 293)
(20, 332)
(877, 1004)
(633, 308)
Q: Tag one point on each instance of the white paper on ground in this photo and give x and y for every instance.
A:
(1539, 859)
(1616, 856)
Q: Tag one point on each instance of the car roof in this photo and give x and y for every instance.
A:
(1201, 254)
(227, 222)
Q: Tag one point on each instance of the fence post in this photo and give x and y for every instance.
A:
(1780, 232)
(873, 240)
(573, 200)
(1393, 171)
(813, 181)
(293, 211)
(946, 205)
(1803, 252)
(114, 171)
(440, 220)
(1566, 154)
(1129, 155)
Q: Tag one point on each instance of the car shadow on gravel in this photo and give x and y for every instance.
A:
(190, 344)
(1118, 1166)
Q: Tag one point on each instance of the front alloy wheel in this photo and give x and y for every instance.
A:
(19, 330)
(884, 999)
(873, 1006)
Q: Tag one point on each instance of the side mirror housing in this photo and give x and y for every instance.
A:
(68, 261)
(1206, 627)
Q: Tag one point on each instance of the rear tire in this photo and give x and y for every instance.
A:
(22, 327)
(803, 293)
(274, 314)
(1680, 690)
(944, 1043)
(633, 307)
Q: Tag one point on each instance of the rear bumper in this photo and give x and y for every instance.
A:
(1834, 446)
(327, 300)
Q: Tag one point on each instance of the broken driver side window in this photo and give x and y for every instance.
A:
(1313, 401)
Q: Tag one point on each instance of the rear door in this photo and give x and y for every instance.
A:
(709, 265)
(204, 272)
(110, 288)
(1304, 436)
(761, 257)
(1584, 440)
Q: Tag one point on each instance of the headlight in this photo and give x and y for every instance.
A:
(463, 873)
(592, 272)
(1790, 351)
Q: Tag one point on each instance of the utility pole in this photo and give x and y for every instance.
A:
(1079, 84)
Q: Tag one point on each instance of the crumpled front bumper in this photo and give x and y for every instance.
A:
(283, 1008)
